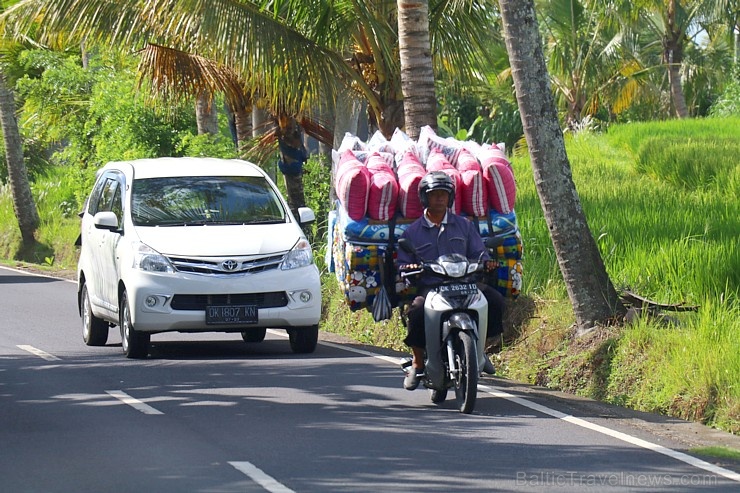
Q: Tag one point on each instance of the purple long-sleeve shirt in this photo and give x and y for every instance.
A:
(455, 235)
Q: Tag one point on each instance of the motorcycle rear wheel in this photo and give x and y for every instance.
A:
(466, 384)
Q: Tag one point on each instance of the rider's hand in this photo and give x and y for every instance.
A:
(490, 266)
(410, 267)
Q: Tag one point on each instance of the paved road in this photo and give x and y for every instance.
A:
(209, 413)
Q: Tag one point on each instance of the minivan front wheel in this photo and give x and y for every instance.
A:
(135, 344)
(304, 339)
(254, 335)
(94, 329)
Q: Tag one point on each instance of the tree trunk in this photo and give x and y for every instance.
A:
(261, 124)
(393, 118)
(243, 122)
(417, 75)
(673, 57)
(292, 157)
(23, 204)
(594, 299)
(677, 96)
(206, 114)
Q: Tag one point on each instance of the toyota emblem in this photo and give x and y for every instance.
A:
(229, 265)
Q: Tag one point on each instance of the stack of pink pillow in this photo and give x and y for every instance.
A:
(372, 182)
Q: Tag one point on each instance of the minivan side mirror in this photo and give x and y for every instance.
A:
(106, 220)
(306, 215)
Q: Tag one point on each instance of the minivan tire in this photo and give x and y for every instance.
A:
(135, 344)
(254, 335)
(94, 329)
(304, 339)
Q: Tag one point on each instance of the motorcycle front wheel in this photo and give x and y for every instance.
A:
(439, 396)
(466, 383)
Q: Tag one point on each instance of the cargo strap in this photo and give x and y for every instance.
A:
(388, 276)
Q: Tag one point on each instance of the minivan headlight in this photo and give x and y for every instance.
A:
(148, 259)
(299, 256)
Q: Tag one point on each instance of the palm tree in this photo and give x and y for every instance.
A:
(174, 74)
(23, 203)
(417, 76)
(594, 299)
(589, 63)
(297, 54)
(672, 23)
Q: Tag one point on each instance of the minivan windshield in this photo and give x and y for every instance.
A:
(199, 200)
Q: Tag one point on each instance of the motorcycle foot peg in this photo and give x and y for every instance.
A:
(406, 364)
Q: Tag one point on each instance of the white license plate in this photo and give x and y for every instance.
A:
(231, 314)
(462, 289)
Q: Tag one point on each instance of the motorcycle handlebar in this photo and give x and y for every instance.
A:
(425, 267)
(410, 273)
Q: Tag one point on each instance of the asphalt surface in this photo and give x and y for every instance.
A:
(208, 412)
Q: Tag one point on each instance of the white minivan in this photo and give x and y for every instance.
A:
(194, 245)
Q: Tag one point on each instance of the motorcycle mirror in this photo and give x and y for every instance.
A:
(493, 241)
(405, 245)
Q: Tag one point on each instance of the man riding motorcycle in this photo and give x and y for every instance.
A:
(440, 231)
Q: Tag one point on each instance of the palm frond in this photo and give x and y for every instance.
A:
(174, 73)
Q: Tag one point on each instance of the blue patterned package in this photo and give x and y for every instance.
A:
(499, 223)
(507, 278)
(367, 230)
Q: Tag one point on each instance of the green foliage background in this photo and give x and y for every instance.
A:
(661, 199)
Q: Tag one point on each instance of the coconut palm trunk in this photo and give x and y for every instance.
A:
(293, 155)
(417, 76)
(243, 123)
(594, 299)
(206, 114)
(23, 203)
(672, 57)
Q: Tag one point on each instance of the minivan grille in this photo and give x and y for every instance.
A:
(200, 301)
(241, 265)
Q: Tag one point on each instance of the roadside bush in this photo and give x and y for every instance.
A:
(728, 103)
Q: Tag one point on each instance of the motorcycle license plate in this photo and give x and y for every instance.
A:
(231, 314)
(461, 289)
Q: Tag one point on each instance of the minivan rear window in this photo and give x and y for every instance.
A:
(199, 200)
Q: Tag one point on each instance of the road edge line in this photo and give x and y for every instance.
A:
(497, 392)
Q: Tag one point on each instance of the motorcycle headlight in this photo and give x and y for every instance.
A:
(455, 269)
(148, 259)
(299, 256)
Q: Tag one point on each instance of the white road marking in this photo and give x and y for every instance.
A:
(270, 484)
(497, 392)
(50, 275)
(38, 352)
(389, 359)
(693, 461)
(135, 403)
(258, 476)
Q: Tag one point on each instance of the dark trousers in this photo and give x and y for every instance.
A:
(416, 336)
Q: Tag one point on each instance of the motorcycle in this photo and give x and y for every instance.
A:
(455, 324)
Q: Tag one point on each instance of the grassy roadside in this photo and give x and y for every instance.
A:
(671, 237)
(662, 201)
